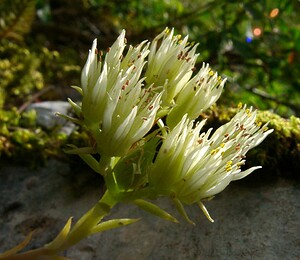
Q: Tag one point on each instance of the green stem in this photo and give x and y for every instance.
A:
(82, 229)
(31, 254)
(105, 164)
(84, 225)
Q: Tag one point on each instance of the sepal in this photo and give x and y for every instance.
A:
(205, 211)
(69, 118)
(114, 223)
(81, 150)
(131, 171)
(180, 208)
(61, 237)
(85, 155)
(78, 89)
(75, 106)
(17, 248)
(154, 209)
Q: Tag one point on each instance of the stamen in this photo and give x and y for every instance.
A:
(265, 129)
(228, 166)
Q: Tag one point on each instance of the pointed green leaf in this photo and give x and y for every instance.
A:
(60, 239)
(69, 118)
(78, 89)
(75, 106)
(17, 248)
(81, 150)
(114, 223)
(131, 170)
(182, 211)
(84, 153)
(154, 209)
(205, 211)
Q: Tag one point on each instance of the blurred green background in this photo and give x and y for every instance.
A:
(44, 44)
(255, 44)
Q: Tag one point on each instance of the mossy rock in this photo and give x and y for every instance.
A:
(23, 141)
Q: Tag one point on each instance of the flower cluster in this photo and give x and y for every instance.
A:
(193, 166)
(171, 65)
(115, 107)
(140, 110)
(125, 95)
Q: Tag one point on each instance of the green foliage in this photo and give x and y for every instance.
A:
(284, 128)
(140, 15)
(16, 18)
(256, 45)
(262, 69)
(19, 73)
(23, 71)
(25, 142)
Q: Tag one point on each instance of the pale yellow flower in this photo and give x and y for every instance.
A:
(115, 107)
(198, 94)
(191, 166)
(171, 65)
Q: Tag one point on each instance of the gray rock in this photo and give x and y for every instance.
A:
(251, 221)
(46, 115)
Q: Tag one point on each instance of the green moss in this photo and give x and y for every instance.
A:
(19, 73)
(23, 141)
(284, 128)
(24, 73)
(16, 18)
